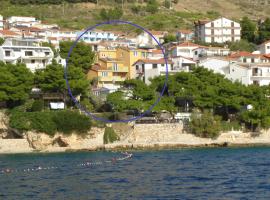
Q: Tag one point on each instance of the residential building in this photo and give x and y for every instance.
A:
(1, 22)
(109, 74)
(26, 51)
(220, 30)
(247, 57)
(146, 40)
(181, 63)
(146, 69)
(246, 73)
(265, 47)
(97, 36)
(184, 35)
(16, 21)
(9, 34)
(187, 50)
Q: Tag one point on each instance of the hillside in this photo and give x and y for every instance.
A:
(81, 15)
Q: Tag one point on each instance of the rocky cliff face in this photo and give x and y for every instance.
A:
(43, 142)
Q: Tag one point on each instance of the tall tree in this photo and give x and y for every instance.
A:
(16, 82)
(264, 31)
(52, 79)
(248, 29)
(82, 55)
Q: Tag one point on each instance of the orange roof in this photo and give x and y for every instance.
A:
(97, 67)
(157, 51)
(8, 32)
(153, 61)
(185, 31)
(244, 54)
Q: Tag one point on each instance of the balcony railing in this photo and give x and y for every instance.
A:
(119, 69)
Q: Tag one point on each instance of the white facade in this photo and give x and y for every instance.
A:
(220, 30)
(96, 36)
(22, 21)
(1, 22)
(26, 51)
(188, 50)
(146, 40)
(147, 69)
(181, 63)
(265, 48)
(246, 73)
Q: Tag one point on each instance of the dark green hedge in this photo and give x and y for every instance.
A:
(51, 122)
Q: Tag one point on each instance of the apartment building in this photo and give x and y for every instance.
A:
(220, 30)
(146, 69)
(97, 36)
(1, 22)
(16, 21)
(264, 48)
(26, 51)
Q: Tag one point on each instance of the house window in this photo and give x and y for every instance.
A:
(252, 60)
(137, 67)
(154, 66)
(115, 67)
(28, 53)
(7, 53)
(244, 60)
(47, 53)
(232, 24)
(33, 61)
(256, 82)
(196, 53)
(268, 47)
(135, 53)
(104, 74)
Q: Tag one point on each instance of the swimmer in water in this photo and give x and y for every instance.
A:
(8, 170)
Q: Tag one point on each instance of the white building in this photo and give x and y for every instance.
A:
(146, 40)
(246, 73)
(187, 50)
(22, 21)
(181, 63)
(97, 36)
(220, 30)
(265, 47)
(150, 68)
(1, 22)
(184, 35)
(26, 51)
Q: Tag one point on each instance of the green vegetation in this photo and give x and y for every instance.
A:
(170, 38)
(37, 106)
(206, 91)
(205, 125)
(109, 135)
(16, 82)
(82, 55)
(50, 122)
(242, 45)
(110, 14)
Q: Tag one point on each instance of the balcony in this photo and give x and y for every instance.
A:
(119, 69)
(111, 78)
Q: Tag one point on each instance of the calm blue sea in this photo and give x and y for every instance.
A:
(214, 173)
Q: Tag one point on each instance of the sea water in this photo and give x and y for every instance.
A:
(200, 173)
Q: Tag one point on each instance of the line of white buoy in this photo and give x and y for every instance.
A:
(85, 164)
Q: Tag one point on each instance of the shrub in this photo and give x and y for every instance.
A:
(38, 105)
(109, 135)
(68, 121)
(205, 125)
(50, 122)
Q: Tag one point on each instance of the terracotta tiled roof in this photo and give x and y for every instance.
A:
(244, 54)
(8, 33)
(185, 31)
(153, 61)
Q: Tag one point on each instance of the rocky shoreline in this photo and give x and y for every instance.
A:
(132, 137)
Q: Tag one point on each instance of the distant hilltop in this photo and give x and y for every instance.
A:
(152, 14)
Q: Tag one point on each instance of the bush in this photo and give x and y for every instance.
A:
(38, 105)
(205, 125)
(50, 122)
(109, 135)
(68, 121)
